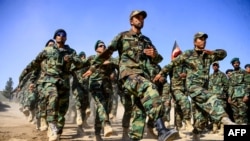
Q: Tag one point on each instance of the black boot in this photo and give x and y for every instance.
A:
(165, 134)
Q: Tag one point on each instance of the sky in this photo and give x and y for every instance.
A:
(26, 25)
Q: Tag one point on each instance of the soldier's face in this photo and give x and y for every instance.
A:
(100, 48)
(61, 37)
(137, 21)
(215, 67)
(248, 69)
(236, 64)
(200, 43)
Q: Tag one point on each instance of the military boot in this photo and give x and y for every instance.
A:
(31, 115)
(108, 131)
(227, 121)
(98, 138)
(53, 136)
(221, 131)
(150, 133)
(215, 128)
(165, 134)
(78, 117)
(43, 124)
(189, 126)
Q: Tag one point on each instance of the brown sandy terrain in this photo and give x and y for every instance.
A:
(15, 127)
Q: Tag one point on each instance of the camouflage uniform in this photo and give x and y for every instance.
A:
(178, 89)
(130, 46)
(218, 85)
(80, 92)
(238, 90)
(198, 66)
(116, 93)
(54, 80)
(100, 88)
(247, 80)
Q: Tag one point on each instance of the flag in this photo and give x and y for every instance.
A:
(175, 51)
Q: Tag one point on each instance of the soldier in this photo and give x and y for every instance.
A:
(218, 84)
(54, 80)
(80, 94)
(50, 43)
(247, 79)
(238, 96)
(134, 49)
(198, 63)
(100, 88)
(182, 103)
(116, 93)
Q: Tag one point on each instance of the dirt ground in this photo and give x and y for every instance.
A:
(15, 127)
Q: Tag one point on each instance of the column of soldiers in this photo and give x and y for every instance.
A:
(143, 87)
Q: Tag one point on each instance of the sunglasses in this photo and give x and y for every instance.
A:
(101, 46)
(62, 34)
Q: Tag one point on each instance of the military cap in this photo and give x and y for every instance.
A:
(216, 63)
(199, 35)
(247, 65)
(82, 53)
(229, 70)
(137, 12)
(99, 42)
(60, 30)
(235, 59)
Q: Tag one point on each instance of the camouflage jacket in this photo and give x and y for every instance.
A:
(247, 79)
(178, 83)
(103, 71)
(131, 57)
(52, 65)
(218, 84)
(198, 66)
(237, 84)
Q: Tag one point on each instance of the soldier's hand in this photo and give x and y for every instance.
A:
(150, 51)
(31, 86)
(157, 77)
(87, 74)
(209, 52)
(229, 100)
(183, 75)
(67, 58)
(245, 99)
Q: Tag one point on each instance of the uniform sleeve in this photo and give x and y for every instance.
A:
(33, 65)
(113, 46)
(219, 54)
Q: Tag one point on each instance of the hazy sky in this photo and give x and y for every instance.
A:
(26, 25)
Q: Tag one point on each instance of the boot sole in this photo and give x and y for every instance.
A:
(172, 135)
(108, 134)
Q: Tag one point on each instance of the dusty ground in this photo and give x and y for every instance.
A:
(15, 127)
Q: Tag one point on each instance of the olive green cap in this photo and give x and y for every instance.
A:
(247, 65)
(199, 35)
(235, 59)
(137, 12)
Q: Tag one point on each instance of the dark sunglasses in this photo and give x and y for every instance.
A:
(62, 34)
(101, 46)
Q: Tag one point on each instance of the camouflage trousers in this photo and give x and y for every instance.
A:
(57, 103)
(205, 105)
(239, 110)
(81, 98)
(166, 99)
(150, 100)
(182, 107)
(114, 98)
(30, 99)
(128, 103)
(101, 92)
